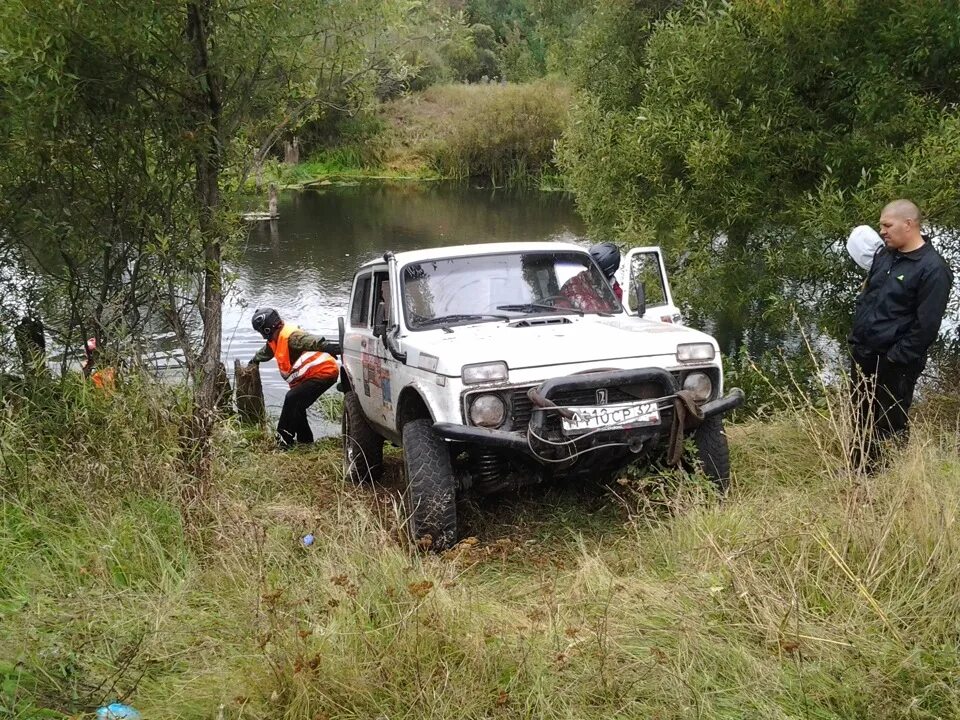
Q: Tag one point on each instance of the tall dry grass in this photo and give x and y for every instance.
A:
(499, 134)
(811, 592)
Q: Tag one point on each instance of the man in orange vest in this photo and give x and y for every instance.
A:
(305, 361)
(103, 378)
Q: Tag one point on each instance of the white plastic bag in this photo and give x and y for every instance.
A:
(863, 244)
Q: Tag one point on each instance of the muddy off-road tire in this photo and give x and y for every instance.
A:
(362, 446)
(430, 499)
(713, 451)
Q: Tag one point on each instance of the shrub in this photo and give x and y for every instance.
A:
(501, 133)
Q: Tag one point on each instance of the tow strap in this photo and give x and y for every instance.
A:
(687, 415)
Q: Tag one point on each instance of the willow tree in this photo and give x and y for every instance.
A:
(749, 137)
(127, 129)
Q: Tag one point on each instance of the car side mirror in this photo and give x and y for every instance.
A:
(380, 320)
(641, 293)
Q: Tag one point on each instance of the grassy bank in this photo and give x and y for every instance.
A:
(808, 593)
(489, 133)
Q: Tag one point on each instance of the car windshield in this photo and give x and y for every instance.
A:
(486, 288)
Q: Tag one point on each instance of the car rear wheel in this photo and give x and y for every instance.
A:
(713, 451)
(430, 499)
(362, 446)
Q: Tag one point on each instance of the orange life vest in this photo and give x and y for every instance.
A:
(311, 363)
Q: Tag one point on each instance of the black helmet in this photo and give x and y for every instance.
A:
(607, 256)
(265, 321)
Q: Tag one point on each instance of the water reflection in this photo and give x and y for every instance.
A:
(303, 263)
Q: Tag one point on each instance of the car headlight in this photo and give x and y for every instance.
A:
(484, 372)
(695, 352)
(488, 411)
(699, 384)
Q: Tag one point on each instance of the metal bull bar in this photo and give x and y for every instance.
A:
(540, 396)
(687, 414)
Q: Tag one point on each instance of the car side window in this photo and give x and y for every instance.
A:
(360, 312)
(381, 286)
(645, 268)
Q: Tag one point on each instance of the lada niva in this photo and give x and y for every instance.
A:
(496, 366)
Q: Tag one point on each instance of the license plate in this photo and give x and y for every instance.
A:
(611, 417)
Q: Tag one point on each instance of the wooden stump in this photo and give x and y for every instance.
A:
(272, 202)
(31, 345)
(250, 403)
(291, 151)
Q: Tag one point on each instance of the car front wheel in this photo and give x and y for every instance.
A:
(430, 499)
(713, 451)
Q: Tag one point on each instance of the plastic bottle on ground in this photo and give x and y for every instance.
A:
(118, 711)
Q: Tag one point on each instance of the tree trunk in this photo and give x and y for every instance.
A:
(208, 109)
(249, 387)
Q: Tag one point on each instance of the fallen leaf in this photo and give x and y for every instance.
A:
(420, 589)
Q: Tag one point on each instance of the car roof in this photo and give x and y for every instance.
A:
(452, 251)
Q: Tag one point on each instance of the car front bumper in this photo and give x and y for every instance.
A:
(545, 395)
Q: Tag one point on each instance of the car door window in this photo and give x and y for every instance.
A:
(645, 268)
(381, 284)
(360, 312)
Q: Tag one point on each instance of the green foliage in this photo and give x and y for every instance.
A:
(520, 40)
(470, 54)
(501, 133)
(518, 60)
(126, 130)
(88, 180)
(755, 135)
(534, 37)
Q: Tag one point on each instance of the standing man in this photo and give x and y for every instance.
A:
(897, 318)
(305, 361)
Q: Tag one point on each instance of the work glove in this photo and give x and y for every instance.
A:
(252, 364)
(332, 348)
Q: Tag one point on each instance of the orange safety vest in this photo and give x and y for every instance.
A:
(311, 363)
(105, 379)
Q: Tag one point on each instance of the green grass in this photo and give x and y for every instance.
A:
(809, 593)
(336, 167)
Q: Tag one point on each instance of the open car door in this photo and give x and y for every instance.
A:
(645, 265)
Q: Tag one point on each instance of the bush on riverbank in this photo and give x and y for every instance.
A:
(503, 134)
(807, 593)
(489, 133)
(500, 133)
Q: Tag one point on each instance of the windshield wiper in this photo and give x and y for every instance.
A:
(459, 318)
(537, 307)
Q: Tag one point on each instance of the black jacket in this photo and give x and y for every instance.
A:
(898, 313)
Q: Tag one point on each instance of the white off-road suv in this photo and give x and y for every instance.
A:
(501, 365)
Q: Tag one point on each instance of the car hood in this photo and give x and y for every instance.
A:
(529, 344)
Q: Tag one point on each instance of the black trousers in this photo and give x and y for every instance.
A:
(882, 395)
(293, 426)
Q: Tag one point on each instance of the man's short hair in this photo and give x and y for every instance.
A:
(904, 209)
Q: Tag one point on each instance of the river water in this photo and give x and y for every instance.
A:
(303, 263)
